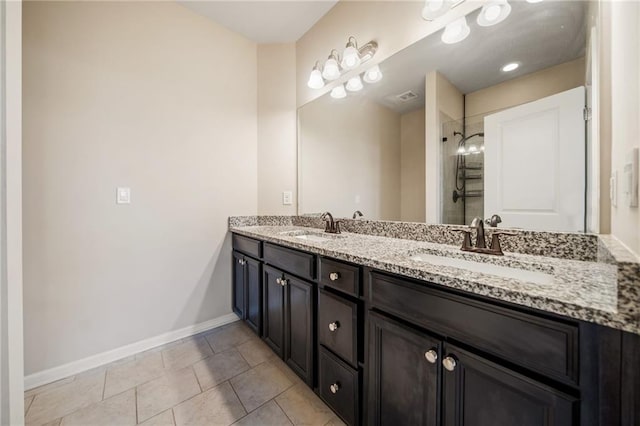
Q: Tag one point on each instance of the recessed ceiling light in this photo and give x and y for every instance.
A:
(534, 1)
(510, 67)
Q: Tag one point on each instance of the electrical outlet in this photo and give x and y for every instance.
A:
(123, 195)
(287, 198)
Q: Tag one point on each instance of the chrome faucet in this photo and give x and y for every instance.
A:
(478, 225)
(357, 214)
(331, 226)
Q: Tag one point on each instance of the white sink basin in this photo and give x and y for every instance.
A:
(535, 277)
(312, 237)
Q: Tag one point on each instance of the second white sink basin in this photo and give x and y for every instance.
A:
(535, 277)
(312, 237)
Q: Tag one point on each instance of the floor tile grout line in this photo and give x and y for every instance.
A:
(136, 402)
(29, 406)
(238, 396)
(104, 385)
(283, 410)
(196, 376)
(173, 415)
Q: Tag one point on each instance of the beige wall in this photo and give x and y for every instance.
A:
(349, 158)
(277, 138)
(141, 94)
(11, 312)
(441, 99)
(412, 167)
(527, 88)
(625, 113)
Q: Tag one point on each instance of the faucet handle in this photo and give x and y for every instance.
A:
(466, 241)
(336, 227)
(495, 241)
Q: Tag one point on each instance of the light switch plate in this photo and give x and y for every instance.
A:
(287, 198)
(123, 195)
(630, 180)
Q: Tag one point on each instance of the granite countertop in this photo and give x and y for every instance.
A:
(602, 292)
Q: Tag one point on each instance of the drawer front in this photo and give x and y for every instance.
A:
(293, 261)
(338, 326)
(340, 276)
(338, 385)
(247, 245)
(540, 344)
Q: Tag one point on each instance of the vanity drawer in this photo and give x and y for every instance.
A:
(293, 261)
(338, 385)
(340, 276)
(338, 325)
(540, 344)
(247, 245)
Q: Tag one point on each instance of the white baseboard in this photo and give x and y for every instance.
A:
(56, 373)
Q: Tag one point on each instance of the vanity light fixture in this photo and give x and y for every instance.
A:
(456, 31)
(338, 92)
(473, 149)
(331, 70)
(354, 84)
(334, 66)
(510, 67)
(493, 13)
(372, 75)
(315, 79)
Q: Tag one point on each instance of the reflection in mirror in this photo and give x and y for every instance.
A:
(491, 124)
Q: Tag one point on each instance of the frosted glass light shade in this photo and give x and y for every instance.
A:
(494, 13)
(456, 31)
(331, 70)
(434, 9)
(315, 79)
(354, 84)
(373, 75)
(350, 58)
(338, 92)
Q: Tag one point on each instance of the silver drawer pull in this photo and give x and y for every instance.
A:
(334, 326)
(334, 276)
(431, 356)
(449, 363)
(334, 388)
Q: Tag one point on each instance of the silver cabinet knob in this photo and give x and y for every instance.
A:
(334, 276)
(334, 388)
(449, 363)
(283, 282)
(431, 355)
(240, 261)
(334, 326)
(278, 280)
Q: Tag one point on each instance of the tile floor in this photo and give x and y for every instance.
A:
(221, 377)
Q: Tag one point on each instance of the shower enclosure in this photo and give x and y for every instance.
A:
(462, 170)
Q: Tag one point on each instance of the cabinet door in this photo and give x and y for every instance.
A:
(253, 295)
(403, 382)
(299, 332)
(238, 285)
(273, 309)
(481, 393)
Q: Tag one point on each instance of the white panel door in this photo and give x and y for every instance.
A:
(535, 163)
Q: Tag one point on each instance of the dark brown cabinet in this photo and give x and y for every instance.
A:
(404, 368)
(289, 321)
(273, 320)
(247, 290)
(477, 392)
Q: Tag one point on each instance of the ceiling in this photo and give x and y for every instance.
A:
(264, 21)
(538, 36)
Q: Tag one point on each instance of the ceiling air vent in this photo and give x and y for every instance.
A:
(406, 96)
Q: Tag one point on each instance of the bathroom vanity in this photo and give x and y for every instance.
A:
(385, 336)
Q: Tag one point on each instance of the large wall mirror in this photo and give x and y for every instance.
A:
(493, 124)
